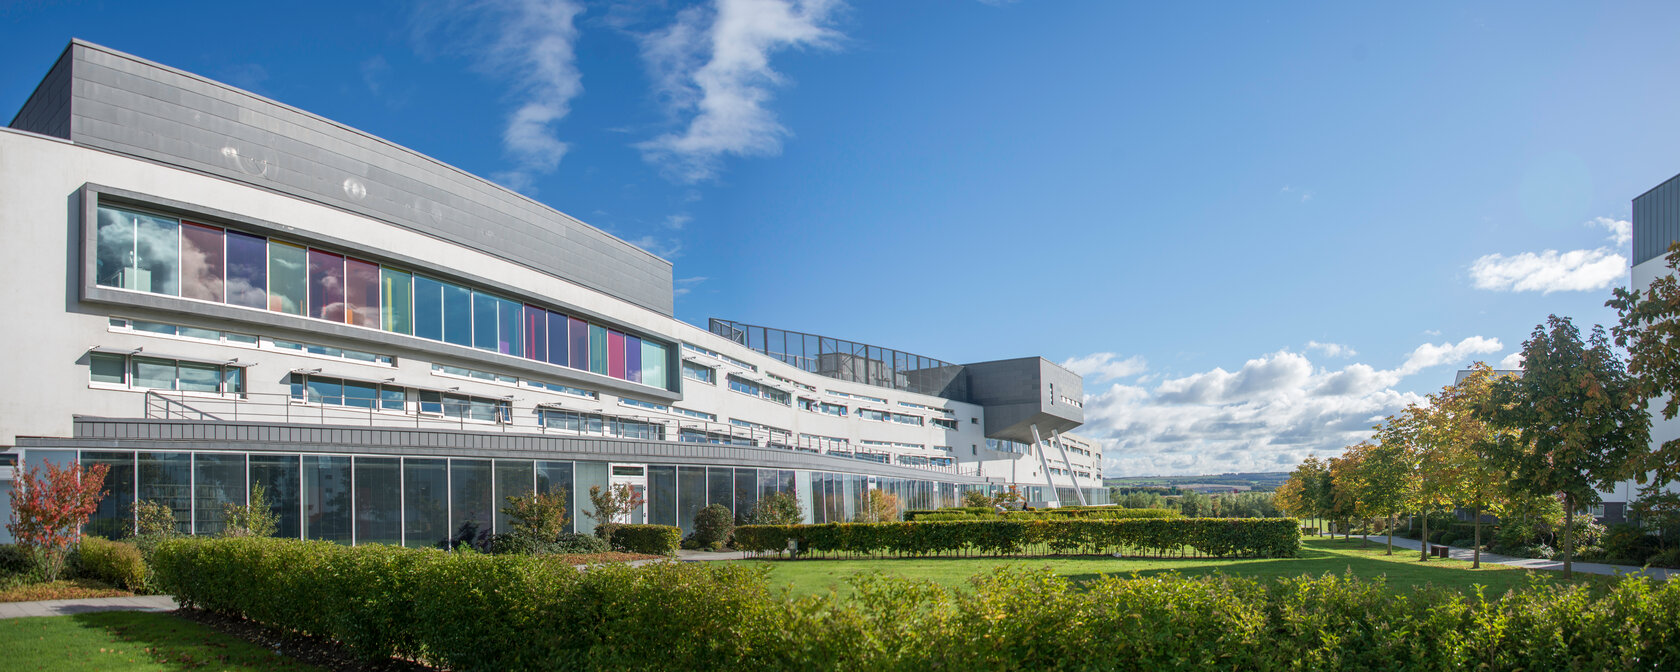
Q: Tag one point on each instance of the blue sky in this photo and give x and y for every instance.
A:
(1254, 227)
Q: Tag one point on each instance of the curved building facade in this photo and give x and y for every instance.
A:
(211, 290)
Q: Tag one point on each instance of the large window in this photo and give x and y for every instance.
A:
(341, 392)
(154, 373)
(704, 374)
(163, 255)
(745, 386)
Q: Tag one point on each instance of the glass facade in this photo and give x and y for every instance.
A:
(425, 502)
(162, 255)
(847, 360)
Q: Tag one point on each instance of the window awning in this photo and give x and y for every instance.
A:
(196, 359)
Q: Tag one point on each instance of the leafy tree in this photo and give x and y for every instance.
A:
(1384, 474)
(1649, 328)
(1307, 493)
(1140, 499)
(49, 510)
(879, 506)
(1194, 504)
(538, 516)
(976, 498)
(1468, 443)
(256, 519)
(713, 525)
(1579, 420)
(1346, 485)
(612, 503)
(778, 508)
(1433, 481)
(154, 522)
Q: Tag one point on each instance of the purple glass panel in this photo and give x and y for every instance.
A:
(202, 262)
(632, 359)
(615, 354)
(557, 339)
(361, 293)
(579, 331)
(536, 333)
(326, 285)
(247, 270)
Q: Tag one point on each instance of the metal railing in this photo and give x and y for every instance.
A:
(510, 417)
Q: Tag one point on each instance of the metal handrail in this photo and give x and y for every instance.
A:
(512, 418)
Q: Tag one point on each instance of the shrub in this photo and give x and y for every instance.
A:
(466, 611)
(154, 523)
(649, 539)
(49, 509)
(256, 519)
(976, 499)
(1668, 558)
(878, 506)
(13, 560)
(117, 563)
(611, 504)
(579, 544)
(777, 508)
(1267, 537)
(713, 525)
(1628, 544)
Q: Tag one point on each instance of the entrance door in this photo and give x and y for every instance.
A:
(635, 476)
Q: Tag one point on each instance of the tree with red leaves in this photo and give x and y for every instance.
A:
(48, 511)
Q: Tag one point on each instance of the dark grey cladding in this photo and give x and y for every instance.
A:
(109, 100)
(1020, 393)
(1656, 221)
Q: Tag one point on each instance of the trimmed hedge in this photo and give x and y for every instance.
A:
(649, 539)
(1219, 537)
(466, 611)
(117, 563)
(1066, 512)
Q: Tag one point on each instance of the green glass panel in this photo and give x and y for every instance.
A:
(288, 278)
(397, 291)
(598, 349)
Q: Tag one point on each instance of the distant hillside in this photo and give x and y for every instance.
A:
(1205, 482)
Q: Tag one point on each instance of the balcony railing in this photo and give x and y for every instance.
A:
(509, 417)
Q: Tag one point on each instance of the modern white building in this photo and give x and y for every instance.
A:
(210, 289)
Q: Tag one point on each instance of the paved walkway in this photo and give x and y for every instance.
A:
(1466, 555)
(67, 607)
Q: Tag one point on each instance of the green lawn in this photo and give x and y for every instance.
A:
(1319, 556)
(126, 640)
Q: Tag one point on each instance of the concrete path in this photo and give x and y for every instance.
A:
(709, 556)
(67, 607)
(1466, 555)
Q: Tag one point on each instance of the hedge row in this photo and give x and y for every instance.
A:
(982, 513)
(465, 611)
(649, 539)
(1220, 537)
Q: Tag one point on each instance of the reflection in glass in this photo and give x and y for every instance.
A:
(484, 321)
(746, 494)
(114, 518)
(157, 374)
(288, 278)
(378, 500)
(202, 262)
(457, 315)
(247, 270)
(587, 475)
(556, 478)
(471, 493)
(397, 294)
(218, 480)
(426, 502)
(115, 241)
(326, 498)
(428, 308)
(557, 343)
(278, 475)
(536, 333)
(508, 318)
(361, 293)
(326, 285)
(199, 377)
(691, 495)
(157, 250)
(615, 354)
(653, 365)
(579, 346)
(720, 486)
(166, 478)
(632, 359)
(514, 478)
(598, 349)
(662, 495)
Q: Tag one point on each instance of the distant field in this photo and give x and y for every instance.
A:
(1255, 481)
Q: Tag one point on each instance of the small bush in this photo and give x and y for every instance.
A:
(117, 563)
(713, 525)
(13, 560)
(571, 543)
(649, 539)
(777, 508)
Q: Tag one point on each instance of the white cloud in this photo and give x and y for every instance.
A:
(1553, 271)
(1266, 416)
(1331, 349)
(667, 248)
(686, 285)
(678, 221)
(714, 64)
(1105, 366)
(1550, 271)
(1621, 230)
(1511, 362)
(532, 41)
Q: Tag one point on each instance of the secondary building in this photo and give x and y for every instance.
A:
(209, 290)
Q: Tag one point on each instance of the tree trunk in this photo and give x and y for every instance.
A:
(1424, 556)
(1390, 535)
(1568, 537)
(1476, 554)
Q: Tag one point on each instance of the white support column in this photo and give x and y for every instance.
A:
(1056, 438)
(1039, 447)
